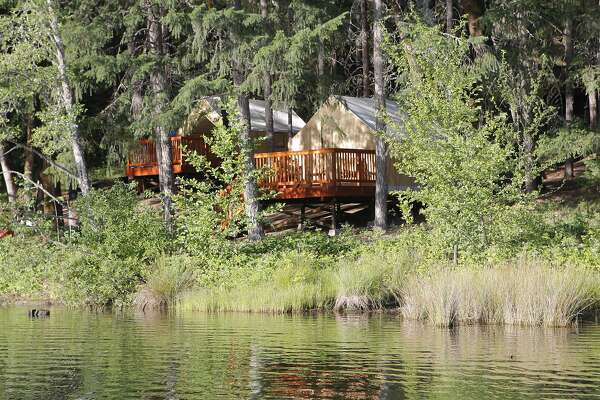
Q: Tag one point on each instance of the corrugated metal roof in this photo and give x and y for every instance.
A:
(280, 118)
(257, 116)
(364, 108)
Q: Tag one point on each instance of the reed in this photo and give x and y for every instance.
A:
(299, 284)
(168, 280)
(373, 280)
(526, 292)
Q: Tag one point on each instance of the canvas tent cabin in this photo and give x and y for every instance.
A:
(349, 123)
(201, 121)
(333, 155)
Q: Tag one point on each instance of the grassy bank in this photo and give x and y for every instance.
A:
(544, 270)
(525, 291)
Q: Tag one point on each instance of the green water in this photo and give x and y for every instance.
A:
(80, 355)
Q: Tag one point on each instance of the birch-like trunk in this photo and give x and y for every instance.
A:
(381, 150)
(569, 96)
(158, 83)
(67, 100)
(593, 104)
(255, 228)
(11, 189)
(251, 202)
(264, 12)
(364, 44)
(28, 163)
(449, 16)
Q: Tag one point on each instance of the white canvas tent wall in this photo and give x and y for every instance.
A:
(348, 123)
(204, 117)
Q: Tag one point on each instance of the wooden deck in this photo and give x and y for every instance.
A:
(142, 160)
(311, 174)
(323, 173)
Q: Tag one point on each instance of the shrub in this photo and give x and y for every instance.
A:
(109, 256)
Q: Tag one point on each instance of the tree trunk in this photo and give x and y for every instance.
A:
(252, 205)
(381, 151)
(569, 97)
(255, 228)
(593, 103)
(137, 96)
(449, 16)
(530, 179)
(29, 156)
(158, 82)
(67, 100)
(290, 125)
(28, 164)
(264, 12)
(321, 70)
(11, 189)
(364, 44)
(474, 11)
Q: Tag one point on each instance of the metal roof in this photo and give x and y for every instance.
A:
(364, 108)
(257, 116)
(280, 118)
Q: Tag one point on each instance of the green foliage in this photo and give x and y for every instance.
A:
(456, 151)
(118, 239)
(27, 269)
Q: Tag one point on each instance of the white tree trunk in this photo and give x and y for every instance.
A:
(67, 100)
(569, 96)
(11, 189)
(252, 205)
(158, 82)
(364, 44)
(264, 11)
(381, 151)
(593, 104)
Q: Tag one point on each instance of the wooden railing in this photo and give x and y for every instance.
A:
(142, 160)
(318, 173)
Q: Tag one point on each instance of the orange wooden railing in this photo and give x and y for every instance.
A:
(318, 173)
(142, 159)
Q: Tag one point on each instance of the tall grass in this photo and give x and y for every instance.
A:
(167, 280)
(301, 283)
(373, 280)
(524, 293)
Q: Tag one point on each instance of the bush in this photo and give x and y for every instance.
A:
(28, 269)
(118, 239)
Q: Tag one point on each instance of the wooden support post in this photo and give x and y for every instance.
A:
(302, 217)
(333, 230)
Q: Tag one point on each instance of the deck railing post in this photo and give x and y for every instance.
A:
(334, 174)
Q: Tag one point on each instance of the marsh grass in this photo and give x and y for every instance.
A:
(167, 280)
(372, 281)
(527, 292)
(523, 292)
(301, 283)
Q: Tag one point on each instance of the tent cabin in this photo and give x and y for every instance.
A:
(333, 155)
(201, 121)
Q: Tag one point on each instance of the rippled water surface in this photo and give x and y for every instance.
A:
(79, 355)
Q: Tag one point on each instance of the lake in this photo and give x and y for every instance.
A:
(81, 355)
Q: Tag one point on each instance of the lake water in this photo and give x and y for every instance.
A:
(79, 355)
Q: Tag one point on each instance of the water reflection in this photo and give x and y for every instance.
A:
(77, 355)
